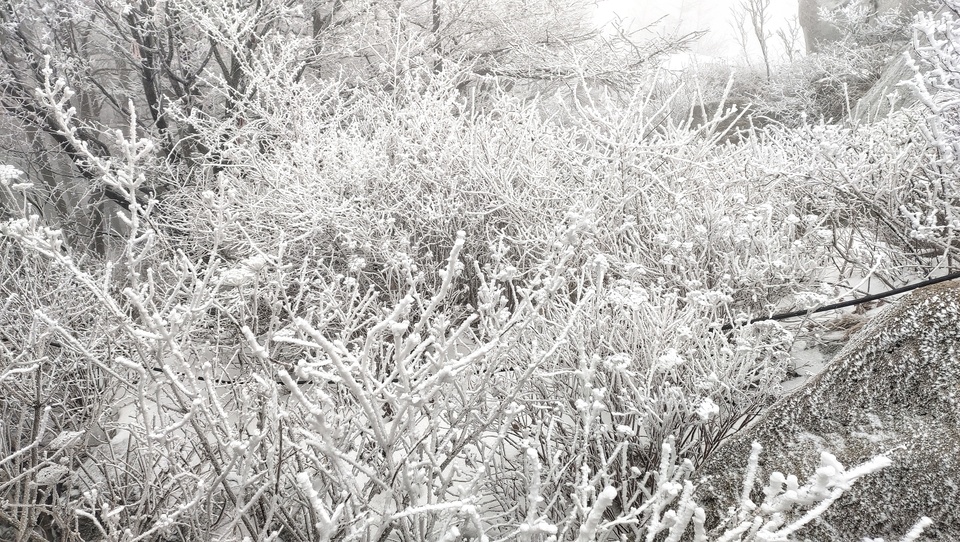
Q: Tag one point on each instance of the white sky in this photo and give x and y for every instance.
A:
(683, 16)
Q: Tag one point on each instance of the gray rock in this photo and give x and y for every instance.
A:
(894, 389)
(816, 31)
(887, 95)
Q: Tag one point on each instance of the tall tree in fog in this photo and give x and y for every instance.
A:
(757, 14)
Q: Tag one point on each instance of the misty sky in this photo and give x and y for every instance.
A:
(683, 16)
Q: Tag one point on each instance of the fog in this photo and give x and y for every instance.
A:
(713, 16)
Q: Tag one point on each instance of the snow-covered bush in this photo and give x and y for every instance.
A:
(885, 190)
(932, 214)
(48, 386)
(843, 70)
(392, 314)
(404, 425)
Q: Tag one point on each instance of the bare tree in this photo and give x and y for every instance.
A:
(740, 33)
(758, 13)
(791, 38)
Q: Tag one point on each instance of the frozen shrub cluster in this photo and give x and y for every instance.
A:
(786, 508)
(406, 312)
(935, 83)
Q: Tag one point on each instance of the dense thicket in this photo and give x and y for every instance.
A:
(433, 271)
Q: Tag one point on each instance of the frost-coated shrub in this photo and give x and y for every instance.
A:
(403, 425)
(47, 384)
(885, 191)
(398, 315)
(382, 198)
(843, 70)
(937, 50)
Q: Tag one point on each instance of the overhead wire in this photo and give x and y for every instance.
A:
(843, 304)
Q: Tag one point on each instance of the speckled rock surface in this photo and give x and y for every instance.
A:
(894, 389)
(887, 95)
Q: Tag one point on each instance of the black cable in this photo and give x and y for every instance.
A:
(780, 316)
(849, 303)
(725, 327)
